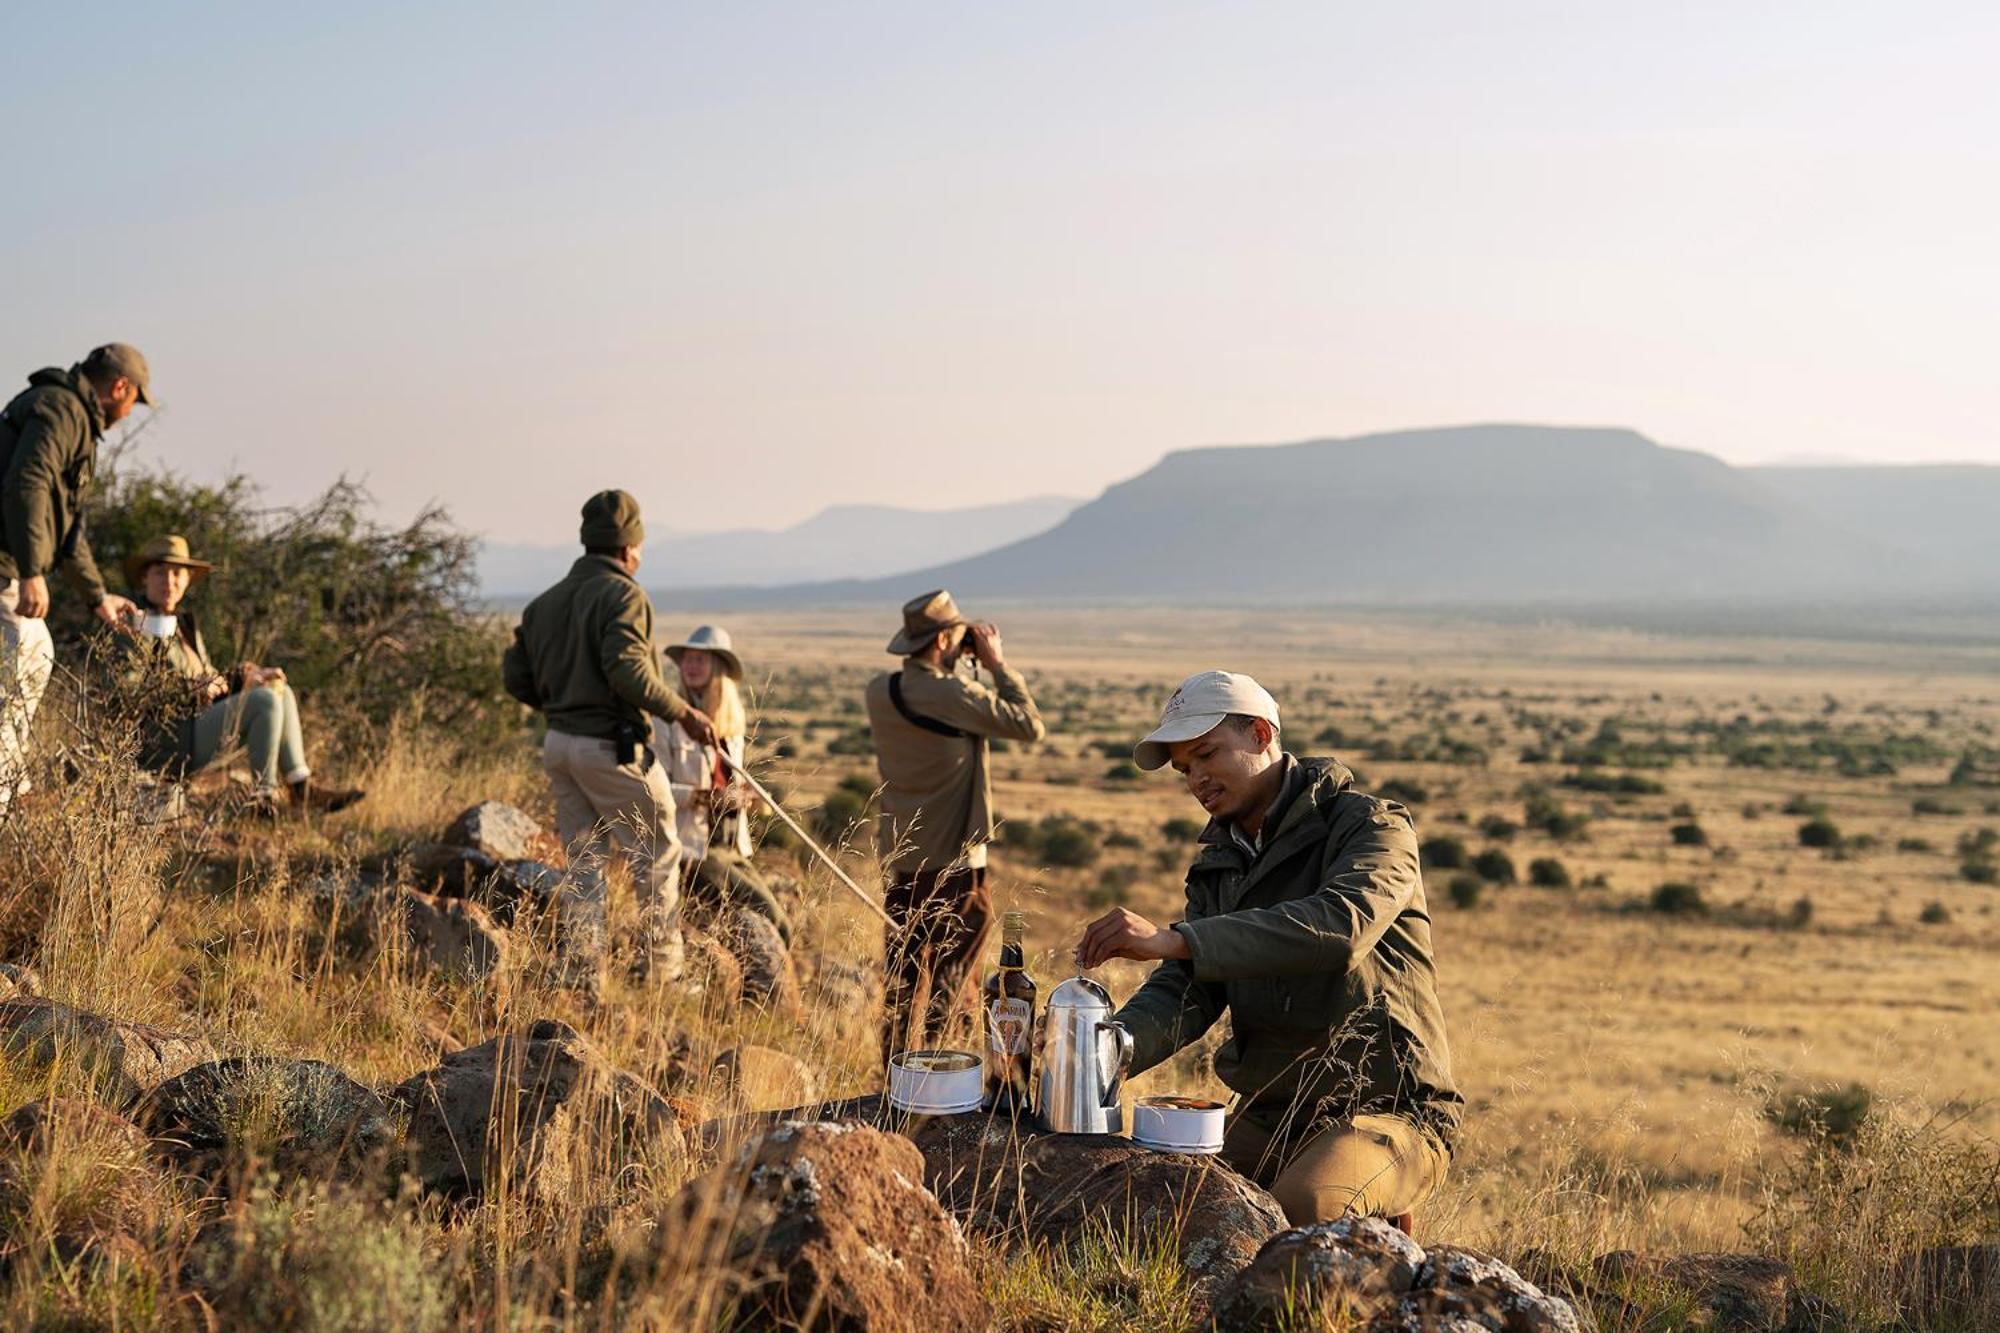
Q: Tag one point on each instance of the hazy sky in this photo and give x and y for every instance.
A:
(766, 257)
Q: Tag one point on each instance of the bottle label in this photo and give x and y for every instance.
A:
(1007, 1027)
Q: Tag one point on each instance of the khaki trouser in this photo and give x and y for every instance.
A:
(941, 924)
(603, 805)
(27, 660)
(1374, 1165)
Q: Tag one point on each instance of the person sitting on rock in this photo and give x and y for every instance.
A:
(1306, 921)
(212, 711)
(711, 801)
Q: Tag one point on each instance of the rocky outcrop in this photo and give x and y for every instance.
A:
(55, 1122)
(454, 936)
(759, 1078)
(764, 959)
(541, 1110)
(300, 1117)
(1726, 1293)
(825, 1226)
(713, 969)
(18, 981)
(120, 1061)
(502, 832)
(1363, 1273)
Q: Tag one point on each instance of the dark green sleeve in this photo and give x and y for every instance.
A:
(81, 565)
(629, 662)
(1372, 878)
(1170, 1011)
(26, 494)
(517, 673)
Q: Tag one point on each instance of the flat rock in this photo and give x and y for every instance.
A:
(302, 1117)
(122, 1061)
(1344, 1272)
(825, 1226)
(541, 1109)
(502, 832)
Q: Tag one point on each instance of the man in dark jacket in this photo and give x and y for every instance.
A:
(1306, 921)
(583, 656)
(48, 450)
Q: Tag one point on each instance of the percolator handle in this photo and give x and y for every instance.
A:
(1123, 1046)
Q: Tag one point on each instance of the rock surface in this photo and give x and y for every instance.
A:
(301, 1117)
(1361, 1272)
(503, 832)
(55, 1121)
(827, 1226)
(121, 1060)
(1727, 1293)
(18, 981)
(765, 961)
(759, 1078)
(455, 936)
(540, 1109)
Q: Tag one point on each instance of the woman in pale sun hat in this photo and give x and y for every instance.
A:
(711, 803)
(248, 703)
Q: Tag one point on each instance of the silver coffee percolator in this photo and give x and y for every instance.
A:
(1084, 1055)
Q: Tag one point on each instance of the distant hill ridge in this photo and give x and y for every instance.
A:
(1500, 514)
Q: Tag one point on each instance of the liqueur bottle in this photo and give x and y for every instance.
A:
(1010, 1024)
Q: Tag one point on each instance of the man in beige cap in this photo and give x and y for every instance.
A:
(931, 727)
(1306, 921)
(583, 656)
(48, 450)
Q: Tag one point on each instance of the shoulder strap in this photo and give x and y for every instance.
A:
(917, 719)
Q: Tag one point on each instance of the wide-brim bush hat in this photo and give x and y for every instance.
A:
(923, 618)
(168, 550)
(1198, 707)
(714, 640)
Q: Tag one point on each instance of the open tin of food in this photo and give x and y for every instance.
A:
(1173, 1123)
(935, 1082)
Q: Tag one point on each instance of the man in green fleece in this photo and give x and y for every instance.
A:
(583, 656)
(48, 451)
(1306, 921)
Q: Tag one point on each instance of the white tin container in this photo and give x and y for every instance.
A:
(936, 1082)
(1173, 1123)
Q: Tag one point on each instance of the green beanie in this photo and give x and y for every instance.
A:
(611, 518)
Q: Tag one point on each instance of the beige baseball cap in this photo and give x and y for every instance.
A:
(1199, 707)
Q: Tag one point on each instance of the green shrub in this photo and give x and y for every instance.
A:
(1677, 898)
(1803, 805)
(1404, 792)
(1832, 1117)
(1065, 842)
(1613, 784)
(1498, 828)
(1688, 835)
(1494, 866)
(1545, 872)
(1931, 805)
(1119, 838)
(1802, 913)
(1442, 854)
(1935, 914)
(852, 743)
(1821, 832)
(1980, 870)
(1178, 829)
(1465, 890)
(1123, 771)
(1915, 845)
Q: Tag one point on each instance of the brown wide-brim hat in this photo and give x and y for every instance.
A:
(923, 618)
(713, 640)
(170, 550)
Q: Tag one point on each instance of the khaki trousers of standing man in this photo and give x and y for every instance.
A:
(27, 659)
(602, 805)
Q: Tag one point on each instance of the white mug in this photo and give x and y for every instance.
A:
(159, 625)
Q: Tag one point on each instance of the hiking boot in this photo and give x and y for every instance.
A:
(308, 795)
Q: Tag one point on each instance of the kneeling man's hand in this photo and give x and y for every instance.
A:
(1121, 933)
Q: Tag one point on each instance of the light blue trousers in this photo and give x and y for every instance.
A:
(266, 722)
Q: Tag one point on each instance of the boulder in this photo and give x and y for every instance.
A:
(300, 1117)
(1726, 1293)
(766, 963)
(1951, 1286)
(712, 968)
(120, 1060)
(502, 832)
(501, 886)
(1361, 1272)
(824, 1226)
(452, 935)
(759, 1078)
(854, 988)
(55, 1122)
(540, 1110)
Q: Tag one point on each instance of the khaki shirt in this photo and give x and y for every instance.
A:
(937, 797)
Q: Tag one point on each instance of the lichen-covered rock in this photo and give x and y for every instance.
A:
(1478, 1291)
(1352, 1269)
(542, 1110)
(824, 1226)
(712, 968)
(503, 832)
(120, 1061)
(1725, 1293)
(300, 1117)
(765, 961)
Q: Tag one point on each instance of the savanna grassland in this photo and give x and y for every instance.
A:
(1716, 927)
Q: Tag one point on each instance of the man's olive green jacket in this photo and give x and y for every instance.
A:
(48, 451)
(1320, 949)
(584, 655)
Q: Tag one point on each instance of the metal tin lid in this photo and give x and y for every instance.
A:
(1080, 993)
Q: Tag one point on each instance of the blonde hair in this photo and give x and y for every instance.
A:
(722, 700)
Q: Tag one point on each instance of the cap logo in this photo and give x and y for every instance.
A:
(1174, 705)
